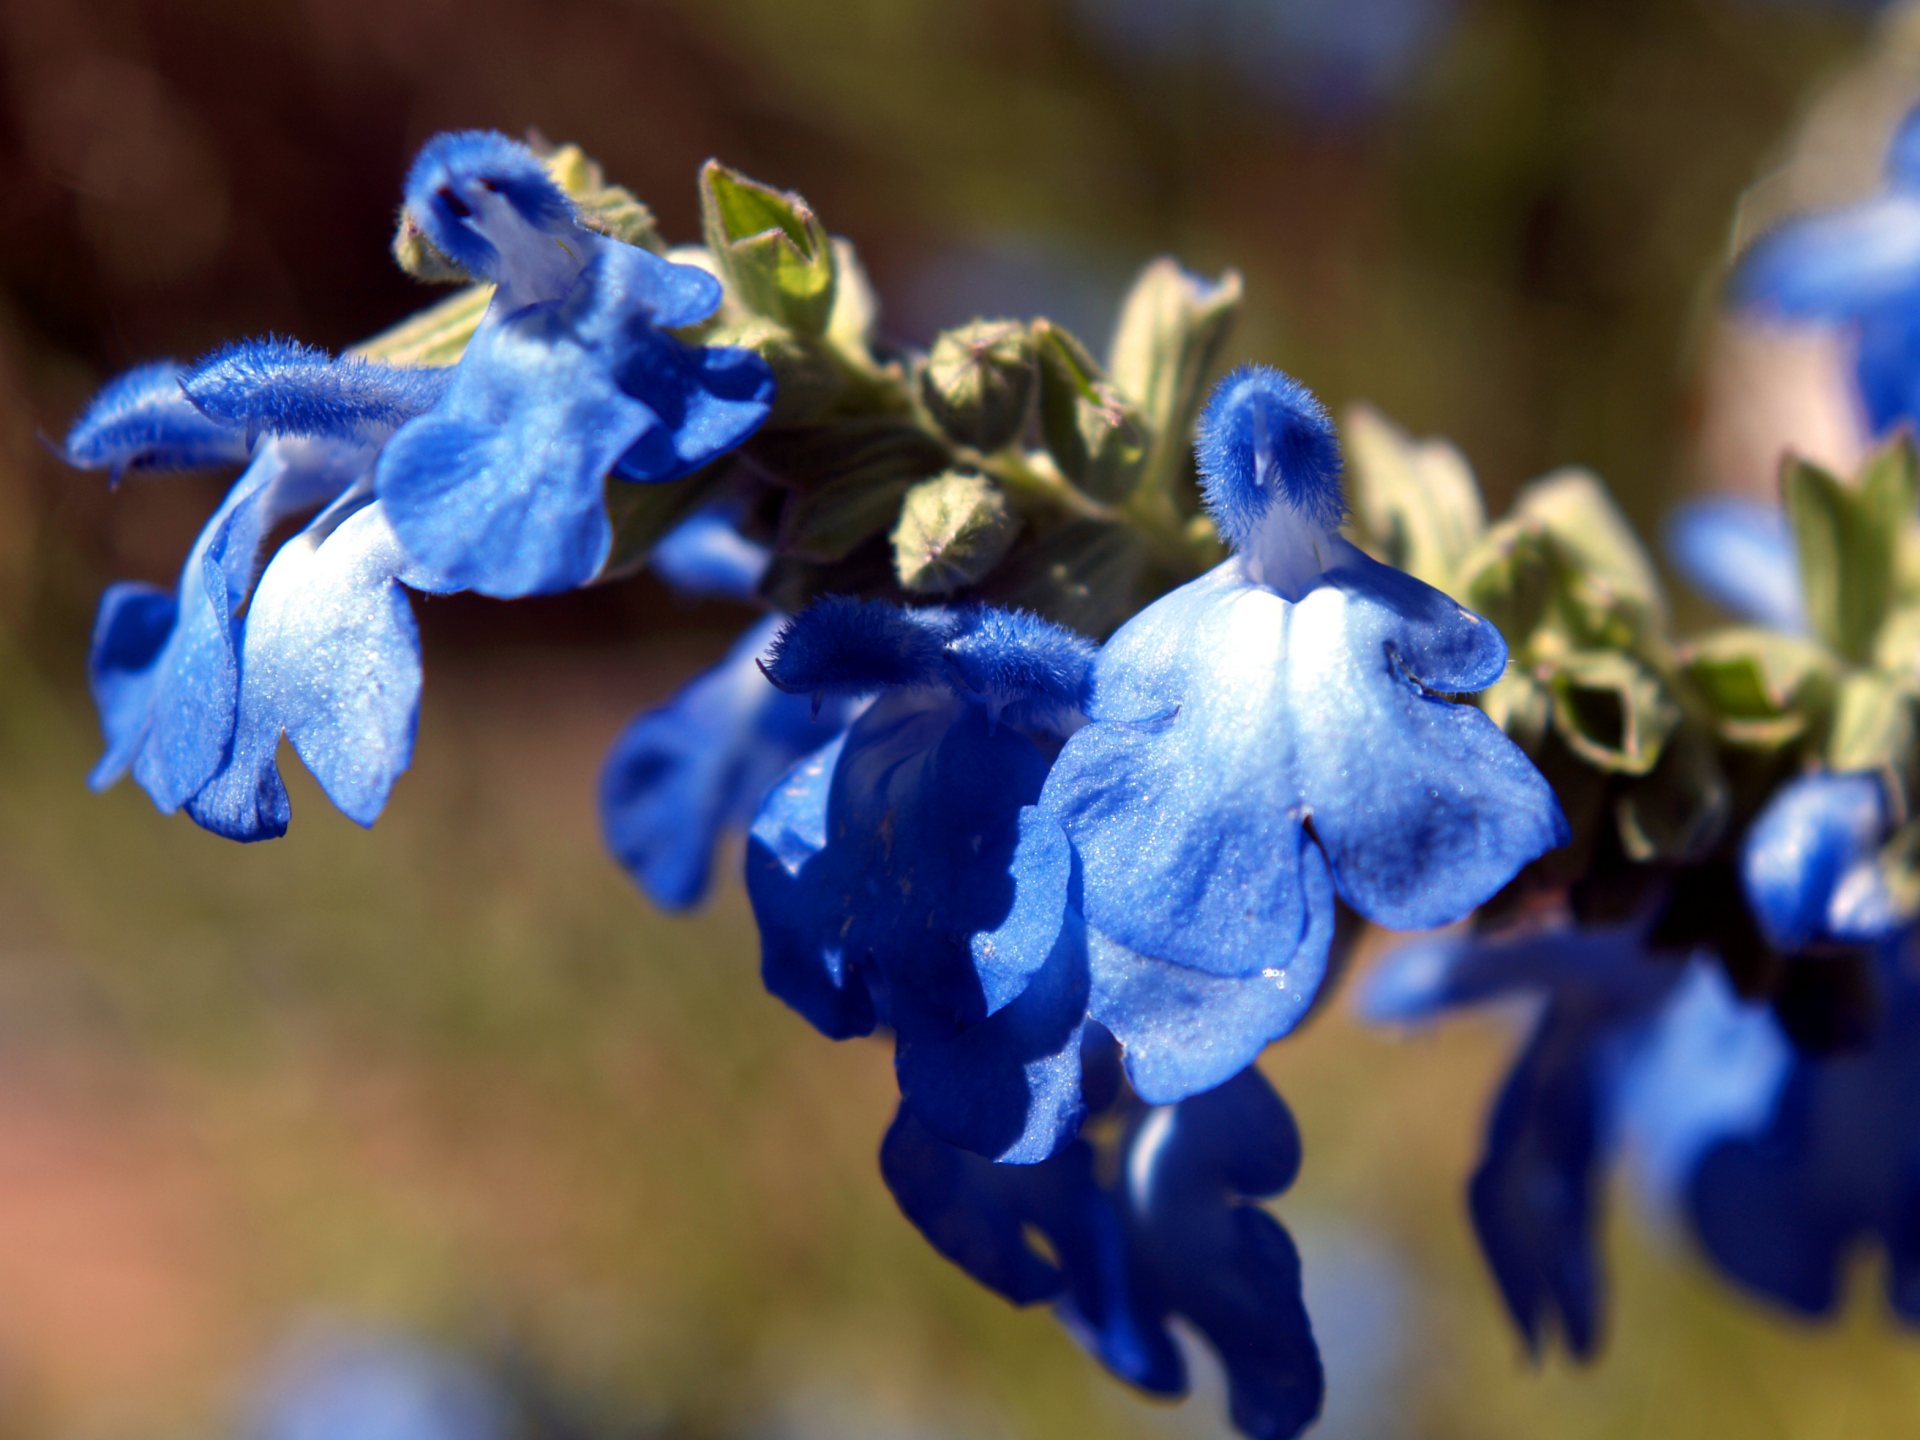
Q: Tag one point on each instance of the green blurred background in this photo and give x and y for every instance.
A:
(453, 1074)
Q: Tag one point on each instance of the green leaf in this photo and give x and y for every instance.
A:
(425, 261)
(437, 335)
(978, 382)
(847, 480)
(1509, 578)
(1416, 499)
(1573, 506)
(952, 531)
(1520, 705)
(1091, 430)
(1873, 725)
(1678, 812)
(1764, 689)
(1172, 325)
(1612, 711)
(770, 247)
(1848, 538)
(609, 209)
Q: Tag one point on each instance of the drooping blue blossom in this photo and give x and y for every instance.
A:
(1166, 1226)
(1267, 737)
(901, 876)
(1740, 554)
(571, 377)
(685, 774)
(142, 420)
(1857, 266)
(1628, 1050)
(196, 685)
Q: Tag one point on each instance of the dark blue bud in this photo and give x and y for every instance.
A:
(281, 387)
(142, 421)
(839, 645)
(1264, 438)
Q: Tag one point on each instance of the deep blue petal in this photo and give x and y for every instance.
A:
(1028, 672)
(1007, 1087)
(682, 775)
(1226, 717)
(330, 657)
(706, 554)
(501, 487)
(281, 387)
(841, 645)
(1887, 365)
(1810, 862)
(804, 960)
(142, 421)
(1184, 1030)
(1839, 265)
(1740, 554)
(708, 399)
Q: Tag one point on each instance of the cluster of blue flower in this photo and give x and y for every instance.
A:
(1083, 885)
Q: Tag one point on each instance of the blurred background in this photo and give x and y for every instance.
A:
(452, 1076)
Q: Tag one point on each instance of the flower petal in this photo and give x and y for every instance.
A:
(142, 421)
(1837, 265)
(1740, 554)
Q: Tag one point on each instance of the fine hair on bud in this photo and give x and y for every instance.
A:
(1264, 438)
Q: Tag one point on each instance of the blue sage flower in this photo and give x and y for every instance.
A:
(1269, 736)
(901, 876)
(1628, 1050)
(571, 377)
(331, 1383)
(685, 774)
(1164, 1225)
(196, 685)
(1857, 266)
(143, 420)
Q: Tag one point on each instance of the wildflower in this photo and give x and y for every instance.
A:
(682, 775)
(901, 876)
(1268, 736)
(1165, 1224)
(1857, 266)
(1629, 1050)
(570, 377)
(195, 686)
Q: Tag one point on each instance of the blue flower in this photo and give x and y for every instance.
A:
(901, 876)
(195, 686)
(1782, 1206)
(142, 420)
(683, 775)
(1740, 554)
(1811, 867)
(331, 1384)
(1858, 266)
(1272, 735)
(1164, 1226)
(1628, 1050)
(571, 377)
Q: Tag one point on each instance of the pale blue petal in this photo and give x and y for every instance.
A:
(330, 657)
(706, 554)
(1838, 265)
(1740, 554)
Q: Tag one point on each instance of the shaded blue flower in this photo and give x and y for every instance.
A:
(1811, 868)
(570, 377)
(900, 875)
(1783, 1207)
(1858, 265)
(196, 685)
(1267, 737)
(1627, 1050)
(1740, 554)
(1164, 1227)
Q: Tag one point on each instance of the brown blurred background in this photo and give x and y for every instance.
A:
(453, 1074)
